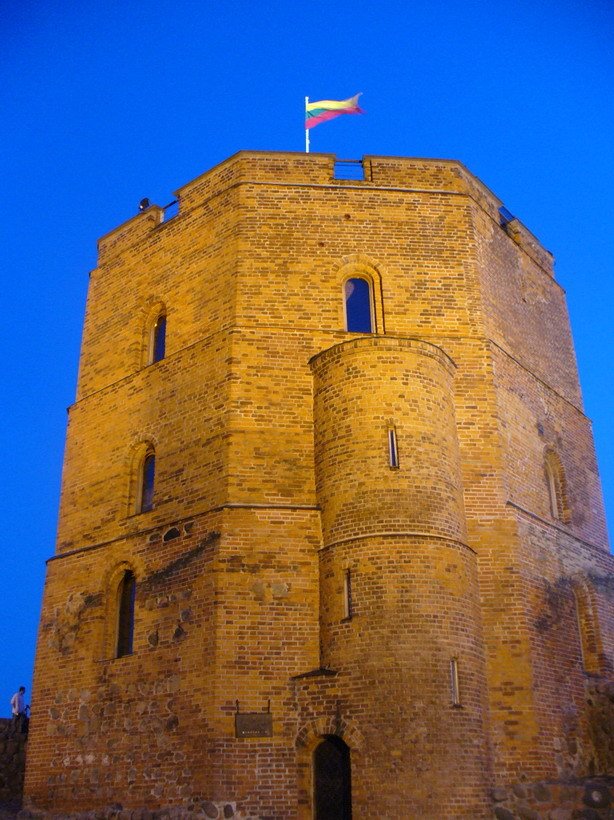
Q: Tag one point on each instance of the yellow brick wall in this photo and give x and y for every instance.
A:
(269, 423)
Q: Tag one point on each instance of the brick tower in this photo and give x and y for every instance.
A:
(331, 537)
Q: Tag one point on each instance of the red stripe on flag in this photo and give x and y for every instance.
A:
(330, 115)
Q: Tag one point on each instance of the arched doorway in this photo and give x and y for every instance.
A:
(332, 794)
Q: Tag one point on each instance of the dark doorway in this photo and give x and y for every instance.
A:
(332, 780)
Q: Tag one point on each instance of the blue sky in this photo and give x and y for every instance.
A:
(105, 103)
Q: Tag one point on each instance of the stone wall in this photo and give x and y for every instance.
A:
(12, 763)
(589, 799)
(198, 810)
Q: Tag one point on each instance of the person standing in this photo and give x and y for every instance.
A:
(18, 709)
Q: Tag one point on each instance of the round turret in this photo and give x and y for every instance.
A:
(399, 604)
(385, 440)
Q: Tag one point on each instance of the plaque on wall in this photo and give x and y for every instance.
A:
(253, 724)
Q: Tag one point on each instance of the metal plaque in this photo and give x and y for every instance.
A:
(253, 724)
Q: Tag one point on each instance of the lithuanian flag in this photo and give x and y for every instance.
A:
(317, 112)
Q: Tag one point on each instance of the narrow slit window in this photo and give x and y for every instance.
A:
(557, 487)
(158, 339)
(357, 294)
(552, 491)
(393, 452)
(347, 594)
(588, 631)
(148, 478)
(454, 685)
(126, 596)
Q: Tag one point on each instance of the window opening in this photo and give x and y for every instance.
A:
(349, 169)
(557, 489)
(393, 452)
(552, 491)
(347, 595)
(147, 482)
(589, 632)
(357, 293)
(125, 614)
(158, 339)
(505, 216)
(454, 685)
(332, 780)
(171, 210)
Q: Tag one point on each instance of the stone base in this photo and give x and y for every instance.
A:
(203, 810)
(590, 799)
(12, 765)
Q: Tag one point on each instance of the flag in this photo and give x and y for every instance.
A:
(317, 112)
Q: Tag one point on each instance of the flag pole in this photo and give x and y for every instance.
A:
(306, 129)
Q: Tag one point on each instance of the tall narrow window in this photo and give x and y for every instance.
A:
(357, 294)
(557, 487)
(393, 453)
(157, 344)
(126, 595)
(347, 594)
(148, 477)
(454, 685)
(588, 627)
(552, 490)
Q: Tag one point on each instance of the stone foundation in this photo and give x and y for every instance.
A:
(199, 810)
(590, 799)
(12, 766)
(582, 799)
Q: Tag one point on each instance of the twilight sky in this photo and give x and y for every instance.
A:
(105, 103)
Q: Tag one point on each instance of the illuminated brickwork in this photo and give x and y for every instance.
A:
(289, 565)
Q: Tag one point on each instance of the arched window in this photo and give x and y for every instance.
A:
(126, 594)
(358, 306)
(147, 482)
(332, 790)
(157, 339)
(557, 487)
